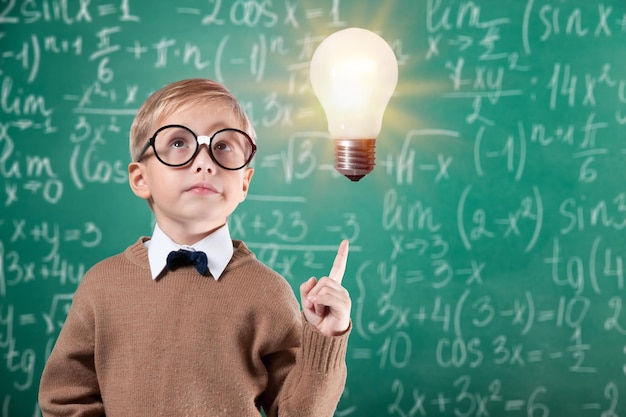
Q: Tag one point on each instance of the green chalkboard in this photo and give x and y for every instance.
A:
(488, 244)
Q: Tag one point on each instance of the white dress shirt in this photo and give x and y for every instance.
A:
(218, 247)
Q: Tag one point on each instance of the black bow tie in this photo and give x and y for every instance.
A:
(187, 257)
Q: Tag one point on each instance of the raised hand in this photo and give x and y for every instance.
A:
(325, 303)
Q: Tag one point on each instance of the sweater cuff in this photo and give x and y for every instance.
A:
(323, 353)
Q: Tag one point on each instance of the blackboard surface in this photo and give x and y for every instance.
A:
(488, 244)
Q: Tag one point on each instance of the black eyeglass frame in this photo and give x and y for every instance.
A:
(195, 153)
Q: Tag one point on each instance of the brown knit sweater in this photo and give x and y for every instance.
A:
(187, 345)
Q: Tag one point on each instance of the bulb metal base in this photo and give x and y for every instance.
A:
(355, 158)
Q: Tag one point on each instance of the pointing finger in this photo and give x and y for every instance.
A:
(339, 265)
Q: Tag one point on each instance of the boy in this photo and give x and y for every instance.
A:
(154, 333)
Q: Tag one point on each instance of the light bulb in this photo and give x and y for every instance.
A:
(353, 74)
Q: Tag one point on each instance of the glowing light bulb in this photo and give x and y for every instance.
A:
(353, 74)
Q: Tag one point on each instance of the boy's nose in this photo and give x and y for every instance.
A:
(203, 159)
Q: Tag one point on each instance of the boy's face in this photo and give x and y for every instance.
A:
(191, 201)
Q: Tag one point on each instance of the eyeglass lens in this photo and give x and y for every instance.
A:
(176, 145)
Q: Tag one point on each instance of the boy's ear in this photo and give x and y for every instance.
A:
(137, 180)
(247, 177)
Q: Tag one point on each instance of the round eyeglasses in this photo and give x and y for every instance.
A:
(177, 145)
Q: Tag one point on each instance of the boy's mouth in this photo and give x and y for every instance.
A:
(202, 188)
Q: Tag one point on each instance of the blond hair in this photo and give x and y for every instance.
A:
(168, 99)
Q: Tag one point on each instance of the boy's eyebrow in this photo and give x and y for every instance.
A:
(212, 128)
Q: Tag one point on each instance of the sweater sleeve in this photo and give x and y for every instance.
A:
(69, 386)
(317, 380)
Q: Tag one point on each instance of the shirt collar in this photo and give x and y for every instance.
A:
(218, 247)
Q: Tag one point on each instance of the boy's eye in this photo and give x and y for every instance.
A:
(179, 143)
(179, 140)
(222, 146)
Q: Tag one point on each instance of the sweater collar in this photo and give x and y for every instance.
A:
(218, 247)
